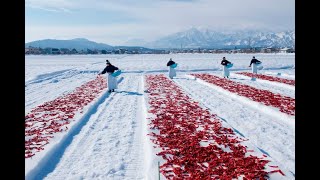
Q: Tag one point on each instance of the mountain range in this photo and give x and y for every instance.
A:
(192, 38)
(205, 38)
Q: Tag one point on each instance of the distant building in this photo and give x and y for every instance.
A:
(291, 50)
(269, 50)
(52, 51)
(283, 50)
(74, 51)
(55, 51)
(65, 51)
(287, 50)
(32, 50)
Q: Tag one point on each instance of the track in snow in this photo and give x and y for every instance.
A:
(52, 87)
(109, 145)
(269, 78)
(275, 87)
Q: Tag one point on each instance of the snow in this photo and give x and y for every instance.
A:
(272, 86)
(273, 112)
(109, 139)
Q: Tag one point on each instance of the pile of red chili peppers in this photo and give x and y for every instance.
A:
(283, 103)
(51, 117)
(269, 78)
(194, 142)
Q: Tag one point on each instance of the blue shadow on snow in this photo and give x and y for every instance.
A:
(130, 93)
(264, 152)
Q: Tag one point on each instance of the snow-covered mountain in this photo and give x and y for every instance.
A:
(77, 43)
(192, 38)
(205, 38)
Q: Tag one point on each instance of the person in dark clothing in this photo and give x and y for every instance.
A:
(226, 72)
(172, 71)
(224, 61)
(112, 81)
(170, 62)
(254, 62)
(109, 68)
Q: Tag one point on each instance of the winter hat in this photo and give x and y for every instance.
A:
(254, 57)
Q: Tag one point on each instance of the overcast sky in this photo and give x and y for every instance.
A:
(116, 21)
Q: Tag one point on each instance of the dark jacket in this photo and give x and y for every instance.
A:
(170, 63)
(225, 62)
(254, 61)
(109, 69)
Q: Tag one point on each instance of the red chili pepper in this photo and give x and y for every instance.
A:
(278, 170)
(178, 117)
(284, 103)
(269, 78)
(273, 166)
(50, 117)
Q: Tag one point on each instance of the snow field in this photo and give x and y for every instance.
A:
(109, 140)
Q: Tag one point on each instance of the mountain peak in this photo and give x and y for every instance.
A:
(80, 39)
(77, 43)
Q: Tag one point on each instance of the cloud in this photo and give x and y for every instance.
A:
(51, 5)
(150, 19)
(62, 5)
(182, 0)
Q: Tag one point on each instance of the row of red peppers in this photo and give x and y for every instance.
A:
(52, 117)
(194, 142)
(269, 78)
(285, 104)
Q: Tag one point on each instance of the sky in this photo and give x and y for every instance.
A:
(107, 136)
(115, 22)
